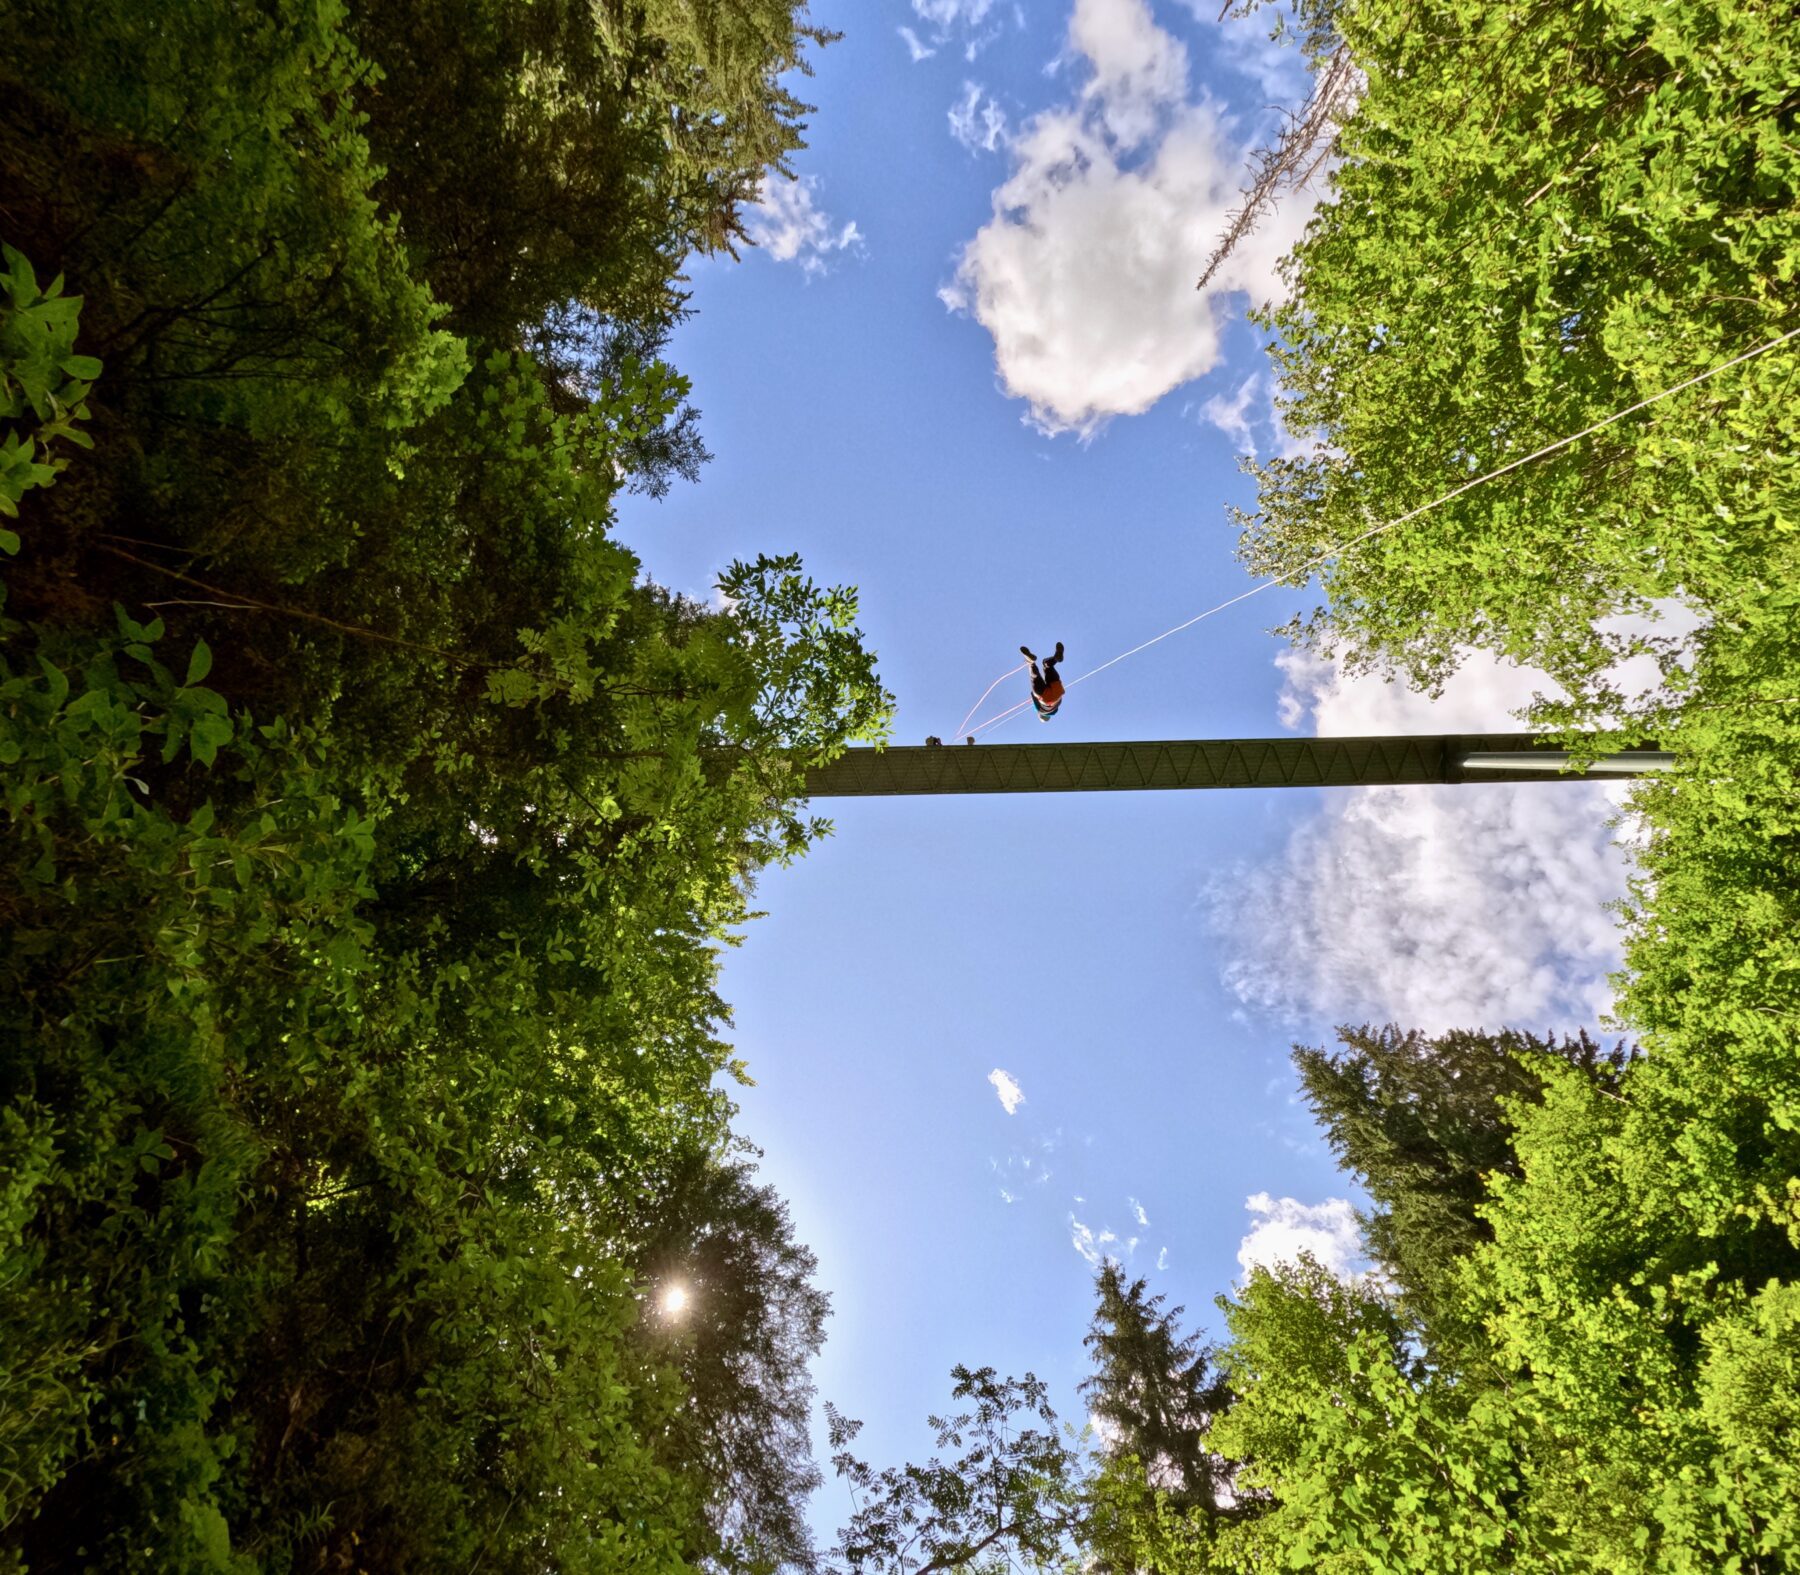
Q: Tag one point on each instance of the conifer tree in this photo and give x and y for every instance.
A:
(1424, 1122)
(1155, 1391)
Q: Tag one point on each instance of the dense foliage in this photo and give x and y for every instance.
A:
(371, 824)
(1585, 1330)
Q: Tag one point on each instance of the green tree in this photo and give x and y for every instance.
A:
(735, 1311)
(1609, 208)
(1423, 1122)
(1370, 1457)
(1012, 1498)
(365, 906)
(1154, 1394)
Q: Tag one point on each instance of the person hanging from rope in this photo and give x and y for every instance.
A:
(1046, 687)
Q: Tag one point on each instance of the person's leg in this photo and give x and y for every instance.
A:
(1049, 676)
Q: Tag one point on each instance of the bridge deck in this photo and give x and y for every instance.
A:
(1202, 763)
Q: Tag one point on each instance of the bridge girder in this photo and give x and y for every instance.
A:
(1390, 760)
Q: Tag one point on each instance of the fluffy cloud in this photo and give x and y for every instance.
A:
(790, 226)
(1085, 274)
(1007, 1087)
(1435, 907)
(1282, 1228)
(1138, 71)
(976, 121)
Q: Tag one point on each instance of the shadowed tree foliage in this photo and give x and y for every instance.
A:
(748, 1323)
(370, 825)
(1424, 1122)
(1154, 1391)
(1160, 1493)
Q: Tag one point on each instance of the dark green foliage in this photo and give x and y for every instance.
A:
(1423, 1122)
(1159, 1494)
(1154, 1392)
(364, 894)
(749, 1322)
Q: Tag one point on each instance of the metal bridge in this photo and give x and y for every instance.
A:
(1391, 760)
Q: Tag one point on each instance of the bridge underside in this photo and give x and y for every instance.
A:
(1392, 760)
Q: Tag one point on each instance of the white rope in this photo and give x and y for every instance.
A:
(1455, 492)
(985, 693)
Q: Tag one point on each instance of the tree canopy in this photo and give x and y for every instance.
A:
(372, 823)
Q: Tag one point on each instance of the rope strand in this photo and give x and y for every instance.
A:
(986, 692)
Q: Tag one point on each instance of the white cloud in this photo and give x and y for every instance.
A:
(1162, 1258)
(975, 45)
(918, 49)
(790, 226)
(1011, 1095)
(1234, 416)
(946, 14)
(1085, 274)
(1435, 907)
(1244, 45)
(1008, 1197)
(1089, 1243)
(1283, 1228)
(976, 121)
(1137, 1210)
(1139, 71)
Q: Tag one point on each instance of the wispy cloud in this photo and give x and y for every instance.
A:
(789, 225)
(1007, 1087)
(1162, 1258)
(1137, 1212)
(946, 14)
(1085, 274)
(1282, 1228)
(915, 46)
(1091, 1244)
(1434, 907)
(976, 121)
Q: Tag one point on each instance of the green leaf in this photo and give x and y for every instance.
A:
(200, 663)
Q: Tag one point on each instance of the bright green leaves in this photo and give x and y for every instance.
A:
(42, 377)
(1583, 229)
(815, 684)
(1542, 218)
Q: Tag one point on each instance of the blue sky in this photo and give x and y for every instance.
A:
(968, 373)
